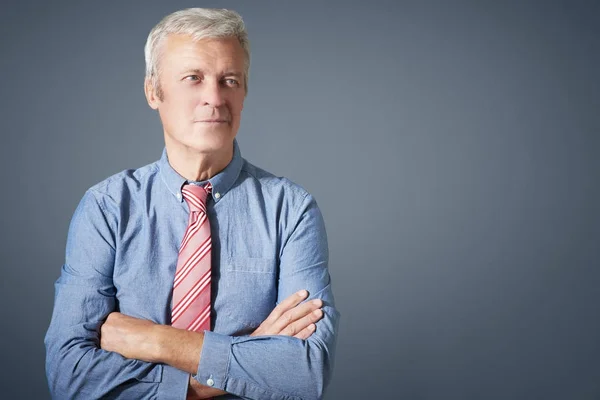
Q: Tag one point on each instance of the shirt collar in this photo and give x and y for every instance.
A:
(221, 183)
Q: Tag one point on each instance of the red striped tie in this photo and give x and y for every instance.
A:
(191, 287)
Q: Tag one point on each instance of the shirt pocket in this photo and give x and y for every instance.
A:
(247, 290)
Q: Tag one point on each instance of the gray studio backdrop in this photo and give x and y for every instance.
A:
(452, 146)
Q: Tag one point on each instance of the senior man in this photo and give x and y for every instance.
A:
(199, 275)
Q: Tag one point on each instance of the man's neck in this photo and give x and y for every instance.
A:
(198, 166)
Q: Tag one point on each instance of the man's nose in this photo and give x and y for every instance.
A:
(212, 94)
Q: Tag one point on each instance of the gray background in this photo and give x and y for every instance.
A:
(452, 146)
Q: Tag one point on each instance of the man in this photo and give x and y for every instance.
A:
(199, 275)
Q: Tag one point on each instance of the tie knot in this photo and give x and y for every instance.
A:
(196, 195)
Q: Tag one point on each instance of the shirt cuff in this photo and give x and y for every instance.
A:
(214, 360)
(174, 383)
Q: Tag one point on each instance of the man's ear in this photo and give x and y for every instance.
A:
(151, 96)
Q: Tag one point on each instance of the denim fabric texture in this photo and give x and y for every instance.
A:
(269, 241)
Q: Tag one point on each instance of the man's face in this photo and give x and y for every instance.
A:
(202, 85)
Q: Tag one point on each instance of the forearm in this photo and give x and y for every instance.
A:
(142, 339)
(100, 374)
(77, 369)
(179, 349)
(76, 366)
(271, 367)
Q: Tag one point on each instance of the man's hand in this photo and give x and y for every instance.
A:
(131, 337)
(290, 318)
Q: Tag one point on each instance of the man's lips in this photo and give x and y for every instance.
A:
(213, 121)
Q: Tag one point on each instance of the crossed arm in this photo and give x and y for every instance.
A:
(266, 365)
(144, 340)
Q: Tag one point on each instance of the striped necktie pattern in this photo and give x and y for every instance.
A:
(191, 286)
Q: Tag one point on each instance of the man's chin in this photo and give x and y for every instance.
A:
(204, 141)
(211, 131)
(211, 144)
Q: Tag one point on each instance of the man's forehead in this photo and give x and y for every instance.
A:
(181, 42)
(190, 52)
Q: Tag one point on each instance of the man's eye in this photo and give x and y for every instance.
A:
(232, 82)
(192, 78)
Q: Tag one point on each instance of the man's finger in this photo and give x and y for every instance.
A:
(298, 326)
(289, 303)
(290, 318)
(306, 332)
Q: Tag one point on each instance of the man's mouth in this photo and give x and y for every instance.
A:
(213, 121)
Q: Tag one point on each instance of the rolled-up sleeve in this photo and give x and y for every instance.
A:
(282, 367)
(76, 367)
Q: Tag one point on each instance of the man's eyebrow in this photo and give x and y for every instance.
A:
(192, 70)
(232, 73)
(198, 71)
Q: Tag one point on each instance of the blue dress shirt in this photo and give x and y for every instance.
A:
(269, 241)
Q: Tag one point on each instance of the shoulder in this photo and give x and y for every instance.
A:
(127, 179)
(123, 186)
(297, 210)
(288, 199)
(272, 185)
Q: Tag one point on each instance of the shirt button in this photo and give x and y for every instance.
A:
(178, 195)
(217, 195)
(210, 382)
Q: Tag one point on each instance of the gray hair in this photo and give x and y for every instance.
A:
(199, 23)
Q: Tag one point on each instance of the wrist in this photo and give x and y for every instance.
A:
(158, 343)
(178, 348)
